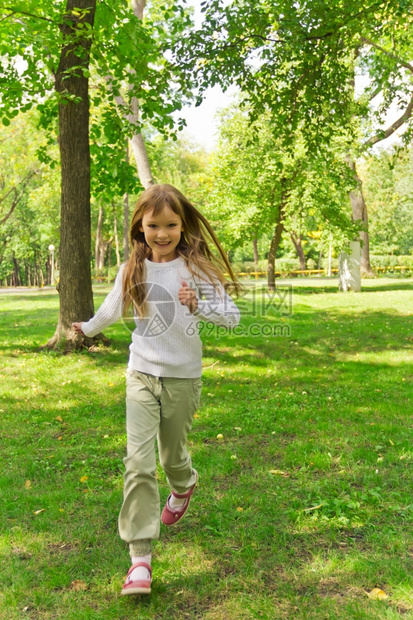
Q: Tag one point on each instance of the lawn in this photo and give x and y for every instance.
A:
(303, 443)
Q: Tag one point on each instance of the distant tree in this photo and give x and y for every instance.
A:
(388, 184)
(181, 163)
(29, 204)
(298, 61)
(260, 186)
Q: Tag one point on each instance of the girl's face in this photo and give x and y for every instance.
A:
(162, 234)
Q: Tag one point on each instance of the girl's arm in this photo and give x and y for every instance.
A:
(109, 312)
(217, 306)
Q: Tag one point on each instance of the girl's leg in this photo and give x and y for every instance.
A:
(179, 401)
(140, 512)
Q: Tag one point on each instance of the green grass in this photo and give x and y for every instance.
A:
(303, 506)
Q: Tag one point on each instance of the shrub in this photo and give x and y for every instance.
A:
(387, 261)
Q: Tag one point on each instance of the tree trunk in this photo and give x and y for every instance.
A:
(109, 249)
(131, 113)
(256, 256)
(16, 272)
(299, 249)
(75, 285)
(126, 216)
(125, 227)
(115, 226)
(100, 246)
(275, 242)
(359, 211)
(137, 143)
(141, 156)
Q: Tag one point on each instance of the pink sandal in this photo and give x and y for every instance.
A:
(171, 516)
(137, 587)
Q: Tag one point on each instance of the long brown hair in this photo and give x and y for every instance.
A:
(193, 246)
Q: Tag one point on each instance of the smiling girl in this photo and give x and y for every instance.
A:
(171, 281)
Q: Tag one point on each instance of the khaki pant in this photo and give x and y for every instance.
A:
(162, 408)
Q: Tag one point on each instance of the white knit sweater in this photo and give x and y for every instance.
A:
(166, 342)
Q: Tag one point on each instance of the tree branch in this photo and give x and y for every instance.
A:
(17, 197)
(14, 12)
(375, 92)
(13, 205)
(344, 23)
(382, 135)
(7, 194)
(399, 60)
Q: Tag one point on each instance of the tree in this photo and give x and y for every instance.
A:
(384, 58)
(30, 206)
(59, 47)
(262, 187)
(298, 60)
(388, 185)
(75, 286)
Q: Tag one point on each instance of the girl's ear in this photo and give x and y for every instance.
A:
(140, 228)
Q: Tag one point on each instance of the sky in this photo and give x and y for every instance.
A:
(201, 121)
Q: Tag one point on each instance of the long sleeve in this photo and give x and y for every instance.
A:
(217, 306)
(109, 312)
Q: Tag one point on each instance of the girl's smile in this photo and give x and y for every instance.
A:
(162, 234)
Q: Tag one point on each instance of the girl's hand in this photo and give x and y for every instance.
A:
(78, 328)
(187, 297)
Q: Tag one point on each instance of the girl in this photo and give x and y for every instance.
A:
(171, 280)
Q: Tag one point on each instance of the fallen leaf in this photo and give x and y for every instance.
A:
(37, 512)
(391, 442)
(239, 509)
(313, 508)
(377, 594)
(27, 484)
(220, 436)
(59, 438)
(278, 472)
(83, 479)
(78, 585)
(59, 418)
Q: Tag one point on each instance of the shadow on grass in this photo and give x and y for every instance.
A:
(398, 285)
(303, 505)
